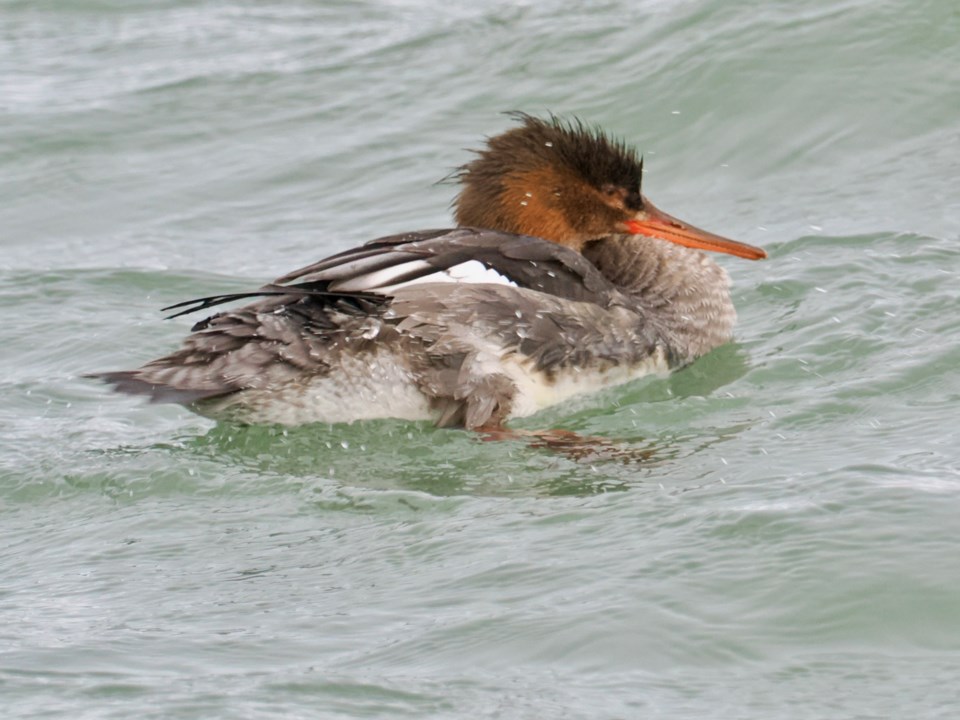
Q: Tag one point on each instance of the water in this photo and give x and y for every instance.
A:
(775, 536)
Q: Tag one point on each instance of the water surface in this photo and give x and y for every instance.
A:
(774, 535)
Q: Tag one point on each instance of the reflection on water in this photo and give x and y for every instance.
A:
(446, 462)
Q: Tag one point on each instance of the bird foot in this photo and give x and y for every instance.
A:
(566, 442)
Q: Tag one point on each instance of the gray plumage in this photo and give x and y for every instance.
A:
(615, 305)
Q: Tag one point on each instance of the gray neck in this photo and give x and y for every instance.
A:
(681, 294)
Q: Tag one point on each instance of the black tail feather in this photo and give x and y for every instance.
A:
(358, 300)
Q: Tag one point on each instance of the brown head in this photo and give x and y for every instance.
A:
(566, 182)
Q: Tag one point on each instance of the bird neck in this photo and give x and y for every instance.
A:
(682, 294)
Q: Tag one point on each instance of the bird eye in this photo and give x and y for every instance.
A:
(610, 190)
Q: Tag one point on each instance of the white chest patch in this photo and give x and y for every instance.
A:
(535, 392)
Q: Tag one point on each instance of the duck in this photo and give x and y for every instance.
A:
(560, 278)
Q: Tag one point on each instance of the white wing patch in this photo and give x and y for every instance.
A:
(417, 272)
(474, 271)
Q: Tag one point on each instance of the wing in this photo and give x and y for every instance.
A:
(462, 255)
(435, 297)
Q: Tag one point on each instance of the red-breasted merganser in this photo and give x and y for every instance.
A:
(561, 278)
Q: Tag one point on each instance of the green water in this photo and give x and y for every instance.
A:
(771, 532)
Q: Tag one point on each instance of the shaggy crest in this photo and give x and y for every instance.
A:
(553, 167)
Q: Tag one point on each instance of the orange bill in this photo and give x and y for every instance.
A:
(657, 224)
